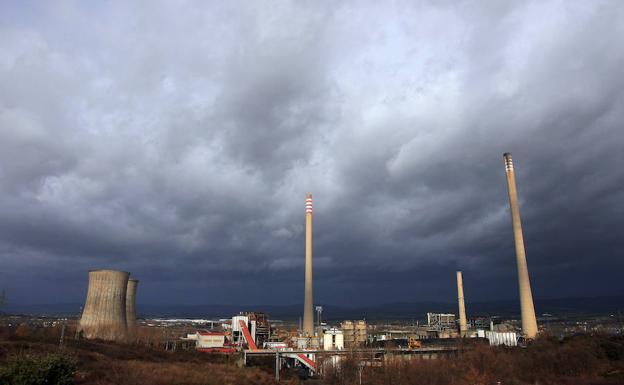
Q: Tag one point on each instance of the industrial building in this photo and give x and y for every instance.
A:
(499, 338)
(333, 339)
(355, 333)
(239, 323)
(261, 326)
(480, 323)
(441, 320)
(208, 340)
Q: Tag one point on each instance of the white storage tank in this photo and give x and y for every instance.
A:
(502, 338)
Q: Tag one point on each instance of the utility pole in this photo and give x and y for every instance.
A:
(61, 340)
(78, 324)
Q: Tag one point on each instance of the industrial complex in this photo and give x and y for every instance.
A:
(109, 314)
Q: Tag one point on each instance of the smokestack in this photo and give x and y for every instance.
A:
(529, 323)
(308, 310)
(104, 314)
(463, 327)
(130, 307)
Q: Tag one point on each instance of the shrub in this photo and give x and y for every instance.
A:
(53, 369)
(614, 349)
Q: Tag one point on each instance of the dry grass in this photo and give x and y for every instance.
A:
(580, 360)
(102, 363)
(142, 372)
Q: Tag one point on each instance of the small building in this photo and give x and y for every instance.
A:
(333, 339)
(210, 340)
(207, 339)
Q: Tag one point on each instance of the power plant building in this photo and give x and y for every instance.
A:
(104, 314)
(238, 337)
(529, 322)
(355, 333)
(333, 339)
(259, 322)
(441, 320)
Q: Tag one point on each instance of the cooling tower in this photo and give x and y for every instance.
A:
(463, 326)
(130, 307)
(529, 323)
(308, 310)
(104, 314)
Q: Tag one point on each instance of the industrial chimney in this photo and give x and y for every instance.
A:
(308, 310)
(529, 323)
(130, 307)
(463, 326)
(104, 314)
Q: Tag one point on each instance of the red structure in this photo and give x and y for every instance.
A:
(250, 342)
(305, 359)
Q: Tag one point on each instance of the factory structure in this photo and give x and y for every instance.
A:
(109, 311)
(476, 327)
(109, 314)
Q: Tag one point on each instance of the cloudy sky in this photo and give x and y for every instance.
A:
(177, 141)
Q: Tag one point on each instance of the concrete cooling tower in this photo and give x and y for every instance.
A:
(130, 307)
(104, 314)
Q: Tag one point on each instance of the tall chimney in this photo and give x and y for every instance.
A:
(529, 323)
(463, 326)
(308, 310)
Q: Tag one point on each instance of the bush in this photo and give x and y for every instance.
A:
(53, 369)
(614, 349)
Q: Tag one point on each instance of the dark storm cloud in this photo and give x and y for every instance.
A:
(178, 142)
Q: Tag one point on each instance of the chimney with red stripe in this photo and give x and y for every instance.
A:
(308, 310)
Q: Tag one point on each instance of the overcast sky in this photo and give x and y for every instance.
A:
(177, 141)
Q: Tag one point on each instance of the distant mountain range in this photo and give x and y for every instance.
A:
(397, 310)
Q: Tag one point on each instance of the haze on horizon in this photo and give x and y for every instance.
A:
(178, 141)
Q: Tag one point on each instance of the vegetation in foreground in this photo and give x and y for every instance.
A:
(35, 359)
(578, 360)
